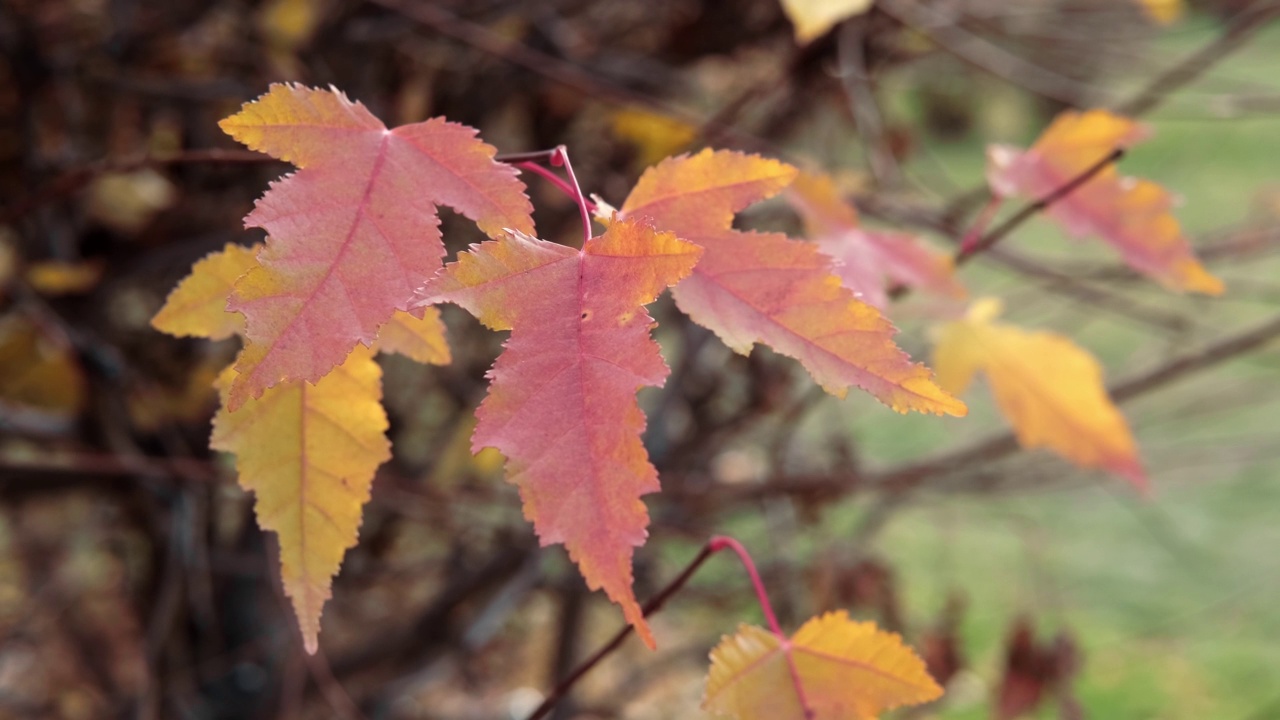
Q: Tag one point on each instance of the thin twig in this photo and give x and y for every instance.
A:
(557, 70)
(989, 450)
(851, 50)
(714, 545)
(655, 603)
(1234, 36)
(964, 254)
(1003, 445)
(74, 179)
(942, 27)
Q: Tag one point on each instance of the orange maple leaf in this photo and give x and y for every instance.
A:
(1049, 389)
(1130, 214)
(767, 288)
(355, 231)
(866, 259)
(561, 405)
(832, 669)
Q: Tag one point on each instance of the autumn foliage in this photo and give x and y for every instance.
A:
(353, 247)
(646, 353)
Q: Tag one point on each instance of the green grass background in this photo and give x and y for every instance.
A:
(1175, 601)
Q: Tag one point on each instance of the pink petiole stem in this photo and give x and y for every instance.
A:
(559, 156)
(551, 177)
(721, 542)
(655, 603)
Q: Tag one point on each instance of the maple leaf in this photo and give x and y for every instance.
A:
(813, 18)
(833, 668)
(355, 231)
(654, 135)
(308, 452)
(765, 287)
(561, 405)
(1049, 389)
(197, 307)
(865, 259)
(1130, 214)
(418, 335)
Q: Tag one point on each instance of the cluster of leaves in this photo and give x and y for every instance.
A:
(352, 265)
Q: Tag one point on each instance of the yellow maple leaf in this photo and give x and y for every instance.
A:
(833, 668)
(654, 135)
(813, 18)
(288, 25)
(1050, 389)
(198, 306)
(417, 338)
(308, 453)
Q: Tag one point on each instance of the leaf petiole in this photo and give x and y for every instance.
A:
(722, 542)
(561, 157)
(557, 157)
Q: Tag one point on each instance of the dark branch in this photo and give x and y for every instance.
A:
(964, 254)
(649, 608)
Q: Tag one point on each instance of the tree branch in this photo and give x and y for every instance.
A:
(1234, 36)
(77, 178)
(910, 477)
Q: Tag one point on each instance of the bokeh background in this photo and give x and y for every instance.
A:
(134, 583)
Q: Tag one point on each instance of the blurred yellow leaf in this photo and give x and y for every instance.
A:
(308, 452)
(455, 463)
(655, 136)
(126, 202)
(417, 338)
(52, 277)
(38, 375)
(832, 669)
(1048, 388)
(1164, 12)
(198, 306)
(813, 18)
(289, 24)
